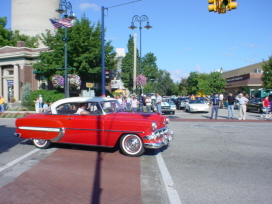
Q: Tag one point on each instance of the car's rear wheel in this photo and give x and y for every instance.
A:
(42, 144)
(131, 145)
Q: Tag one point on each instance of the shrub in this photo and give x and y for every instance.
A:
(26, 94)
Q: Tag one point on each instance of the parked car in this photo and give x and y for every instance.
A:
(255, 104)
(165, 107)
(106, 125)
(181, 102)
(197, 106)
(206, 100)
(171, 103)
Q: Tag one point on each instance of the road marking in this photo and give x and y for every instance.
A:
(168, 182)
(18, 160)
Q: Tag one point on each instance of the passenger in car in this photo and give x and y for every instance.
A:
(82, 110)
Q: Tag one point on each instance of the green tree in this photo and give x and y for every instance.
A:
(217, 82)
(182, 87)
(5, 34)
(267, 73)
(10, 38)
(192, 82)
(150, 69)
(84, 52)
(128, 64)
(203, 83)
(163, 84)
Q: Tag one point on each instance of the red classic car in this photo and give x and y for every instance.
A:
(95, 121)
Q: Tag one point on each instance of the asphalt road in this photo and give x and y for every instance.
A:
(209, 162)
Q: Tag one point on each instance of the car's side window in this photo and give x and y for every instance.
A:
(67, 109)
(94, 108)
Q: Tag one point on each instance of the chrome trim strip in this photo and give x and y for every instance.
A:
(60, 135)
(124, 131)
(45, 129)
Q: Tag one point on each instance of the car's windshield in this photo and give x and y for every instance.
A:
(196, 101)
(111, 106)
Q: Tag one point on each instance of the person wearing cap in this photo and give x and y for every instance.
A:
(215, 102)
(242, 101)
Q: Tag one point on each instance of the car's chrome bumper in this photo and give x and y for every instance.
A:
(165, 137)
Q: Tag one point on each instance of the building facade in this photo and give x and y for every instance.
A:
(245, 78)
(16, 70)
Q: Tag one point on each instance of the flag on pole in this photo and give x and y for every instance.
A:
(57, 23)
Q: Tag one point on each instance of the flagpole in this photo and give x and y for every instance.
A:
(66, 82)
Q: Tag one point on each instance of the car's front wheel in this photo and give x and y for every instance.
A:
(131, 145)
(42, 144)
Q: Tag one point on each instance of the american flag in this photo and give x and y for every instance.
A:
(57, 23)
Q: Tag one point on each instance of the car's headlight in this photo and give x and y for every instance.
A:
(154, 125)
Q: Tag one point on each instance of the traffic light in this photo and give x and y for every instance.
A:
(212, 5)
(230, 4)
(112, 74)
(221, 6)
(107, 74)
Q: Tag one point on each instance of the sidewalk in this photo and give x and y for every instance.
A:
(78, 176)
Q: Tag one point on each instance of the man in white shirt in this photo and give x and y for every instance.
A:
(242, 101)
(158, 103)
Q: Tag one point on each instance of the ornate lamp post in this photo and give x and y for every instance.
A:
(64, 8)
(140, 19)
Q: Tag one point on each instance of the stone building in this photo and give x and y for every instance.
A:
(16, 70)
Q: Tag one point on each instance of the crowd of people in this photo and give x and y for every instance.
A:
(217, 101)
(133, 102)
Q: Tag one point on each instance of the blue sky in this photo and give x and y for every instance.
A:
(186, 37)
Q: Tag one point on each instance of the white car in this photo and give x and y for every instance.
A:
(197, 106)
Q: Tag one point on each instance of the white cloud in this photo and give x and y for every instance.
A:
(233, 48)
(198, 68)
(250, 60)
(85, 6)
(177, 75)
(227, 53)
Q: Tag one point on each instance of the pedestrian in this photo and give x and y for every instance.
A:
(270, 104)
(192, 97)
(221, 98)
(215, 103)
(45, 106)
(2, 101)
(134, 104)
(266, 106)
(148, 104)
(124, 102)
(242, 103)
(231, 100)
(129, 100)
(37, 105)
(40, 102)
(158, 103)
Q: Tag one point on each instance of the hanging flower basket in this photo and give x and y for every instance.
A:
(140, 81)
(58, 81)
(74, 81)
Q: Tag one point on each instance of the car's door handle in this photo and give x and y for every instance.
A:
(69, 118)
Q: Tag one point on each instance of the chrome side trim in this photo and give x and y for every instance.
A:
(123, 131)
(45, 129)
(60, 135)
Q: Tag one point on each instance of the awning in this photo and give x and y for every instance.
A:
(37, 72)
(119, 91)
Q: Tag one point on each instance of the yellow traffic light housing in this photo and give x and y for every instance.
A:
(221, 6)
(212, 5)
(231, 5)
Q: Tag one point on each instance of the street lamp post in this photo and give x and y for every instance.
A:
(64, 8)
(140, 19)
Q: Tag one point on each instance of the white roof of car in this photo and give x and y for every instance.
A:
(79, 100)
